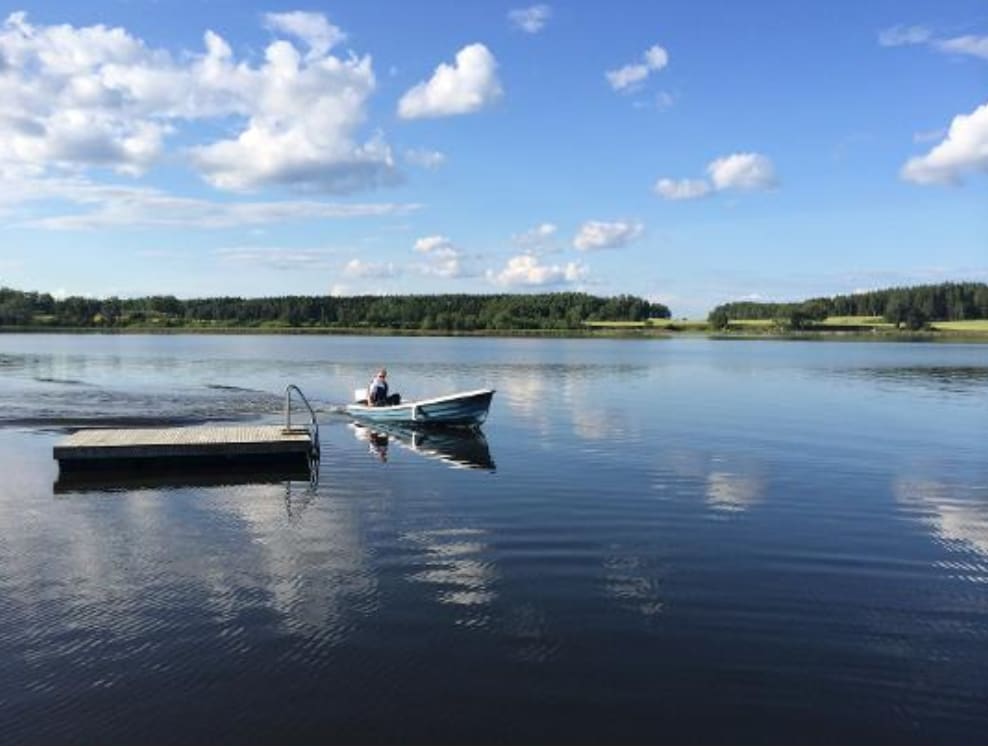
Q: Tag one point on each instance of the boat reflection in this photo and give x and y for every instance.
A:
(458, 447)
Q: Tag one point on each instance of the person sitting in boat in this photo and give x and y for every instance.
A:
(377, 392)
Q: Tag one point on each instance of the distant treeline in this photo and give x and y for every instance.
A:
(459, 312)
(912, 307)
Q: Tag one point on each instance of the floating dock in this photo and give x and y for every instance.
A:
(256, 446)
(203, 442)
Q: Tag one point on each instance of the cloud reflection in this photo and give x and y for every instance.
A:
(732, 492)
(455, 567)
(957, 512)
(121, 565)
(729, 484)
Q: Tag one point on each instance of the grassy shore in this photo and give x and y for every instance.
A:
(833, 328)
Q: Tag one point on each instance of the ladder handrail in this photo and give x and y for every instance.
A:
(313, 426)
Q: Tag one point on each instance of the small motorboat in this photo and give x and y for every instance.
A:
(460, 409)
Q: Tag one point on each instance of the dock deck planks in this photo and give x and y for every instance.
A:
(193, 441)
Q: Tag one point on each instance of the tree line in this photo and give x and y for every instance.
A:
(911, 307)
(450, 312)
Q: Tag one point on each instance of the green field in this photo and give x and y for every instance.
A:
(753, 323)
(967, 325)
(629, 325)
(830, 321)
(866, 321)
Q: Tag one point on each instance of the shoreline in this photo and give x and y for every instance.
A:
(631, 333)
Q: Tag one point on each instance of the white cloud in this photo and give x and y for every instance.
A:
(85, 97)
(656, 57)
(531, 20)
(602, 235)
(356, 268)
(525, 269)
(435, 245)
(745, 171)
(538, 238)
(312, 28)
(683, 189)
(427, 159)
(122, 206)
(466, 86)
(444, 257)
(972, 45)
(302, 115)
(897, 36)
(61, 106)
(627, 78)
(965, 149)
(740, 171)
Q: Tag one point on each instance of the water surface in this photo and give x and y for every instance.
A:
(663, 540)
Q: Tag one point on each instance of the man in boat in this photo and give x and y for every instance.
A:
(377, 391)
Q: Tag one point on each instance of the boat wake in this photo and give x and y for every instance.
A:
(94, 408)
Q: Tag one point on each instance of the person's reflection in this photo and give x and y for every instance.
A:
(379, 444)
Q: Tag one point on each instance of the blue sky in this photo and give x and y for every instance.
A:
(691, 152)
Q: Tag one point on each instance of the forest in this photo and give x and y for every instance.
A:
(460, 312)
(911, 307)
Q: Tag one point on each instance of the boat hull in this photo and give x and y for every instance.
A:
(464, 409)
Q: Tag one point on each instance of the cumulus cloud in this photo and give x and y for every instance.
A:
(302, 116)
(435, 245)
(444, 258)
(964, 150)
(746, 171)
(312, 28)
(602, 235)
(525, 270)
(62, 105)
(94, 96)
(683, 189)
(738, 171)
(531, 20)
(357, 268)
(427, 159)
(629, 77)
(537, 238)
(466, 86)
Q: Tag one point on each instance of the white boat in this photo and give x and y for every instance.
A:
(460, 409)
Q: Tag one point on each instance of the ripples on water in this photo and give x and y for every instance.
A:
(650, 541)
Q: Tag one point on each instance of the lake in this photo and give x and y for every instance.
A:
(658, 541)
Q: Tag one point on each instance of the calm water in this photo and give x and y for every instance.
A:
(682, 540)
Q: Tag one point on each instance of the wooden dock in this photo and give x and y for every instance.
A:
(202, 443)
(219, 453)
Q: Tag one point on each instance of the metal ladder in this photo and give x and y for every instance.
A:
(312, 428)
